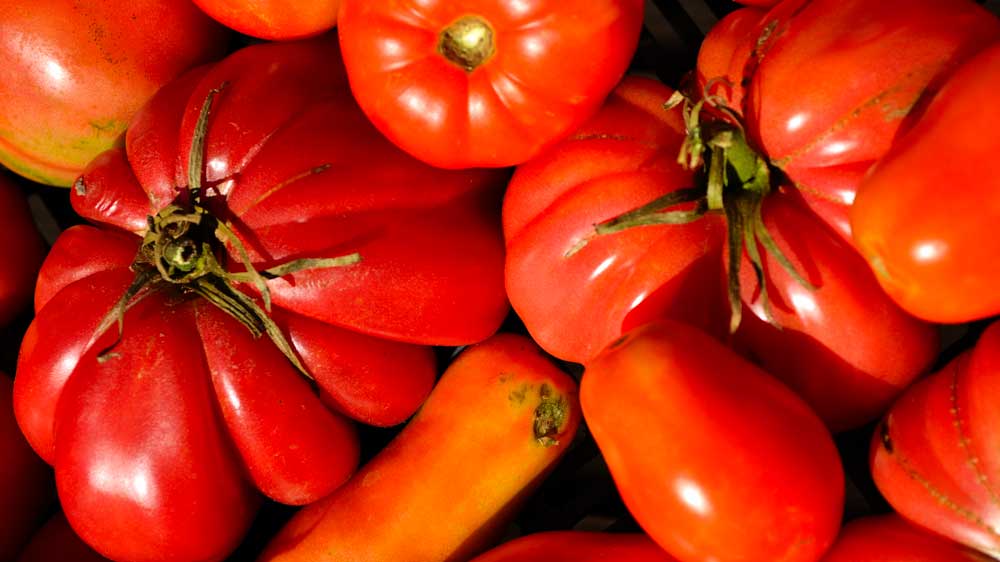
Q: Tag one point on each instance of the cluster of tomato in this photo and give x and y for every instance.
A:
(281, 237)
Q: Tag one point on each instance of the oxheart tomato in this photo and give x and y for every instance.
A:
(162, 421)
(714, 458)
(274, 19)
(843, 345)
(936, 456)
(826, 85)
(74, 73)
(490, 83)
(23, 251)
(26, 488)
(933, 246)
(578, 546)
(889, 538)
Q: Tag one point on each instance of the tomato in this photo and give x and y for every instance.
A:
(937, 452)
(161, 432)
(843, 345)
(74, 73)
(825, 341)
(889, 538)
(57, 541)
(484, 82)
(576, 302)
(274, 19)
(26, 489)
(935, 251)
(829, 83)
(578, 546)
(714, 458)
(23, 251)
(497, 422)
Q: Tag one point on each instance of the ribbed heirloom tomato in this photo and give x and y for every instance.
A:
(147, 377)
(842, 344)
(825, 85)
(465, 83)
(936, 456)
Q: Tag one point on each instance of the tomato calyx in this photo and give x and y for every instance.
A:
(467, 42)
(733, 179)
(184, 250)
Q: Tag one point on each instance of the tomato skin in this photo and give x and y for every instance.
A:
(730, 465)
(624, 157)
(889, 538)
(553, 64)
(274, 19)
(577, 546)
(724, 54)
(23, 251)
(191, 410)
(824, 101)
(937, 451)
(935, 252)
(75, 73)
(845, 347)
(57, 541)
(478, 433)
(26, 489)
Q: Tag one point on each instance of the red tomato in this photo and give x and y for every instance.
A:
(484, 82)
(23, 251)
(935, 252)
(715, 459)
(576, 302)
(829, 83)
(26, 489)
(889, 538)
(274, 19)
(936, 456)
(844, 346)
(74, 73)
(578, 546)
(159, 441)
(57, 541)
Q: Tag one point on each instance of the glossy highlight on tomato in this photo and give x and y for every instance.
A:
(484, 83)
(163, 436)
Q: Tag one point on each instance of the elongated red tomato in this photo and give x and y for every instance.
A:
(74, 73)
(889, 538)
(714, 458)
(23, 251)
(937, 454)
(578, 546)
(925, 217)
(161, 435)
(829, 83)
(471, 83)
